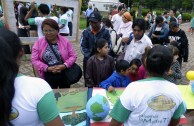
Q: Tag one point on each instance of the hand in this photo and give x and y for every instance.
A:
(171, 40)
(170, 72)
(60, 67)
(154, 36)
(125, 40)
(27, 26)
(54, 7)
(111, 89)
(33, 5)
(52, 69)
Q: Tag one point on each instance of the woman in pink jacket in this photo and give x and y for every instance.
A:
(52, 54)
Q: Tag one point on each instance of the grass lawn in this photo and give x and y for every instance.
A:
(82, 22)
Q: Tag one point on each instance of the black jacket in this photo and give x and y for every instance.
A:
(182, 43)
(88, 39)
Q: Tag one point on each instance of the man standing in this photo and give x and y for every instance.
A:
(117, 18)
(172, 16)
(89, 36)
(139, 42)
(88, 12)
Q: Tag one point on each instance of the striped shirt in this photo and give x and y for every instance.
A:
(175, 67)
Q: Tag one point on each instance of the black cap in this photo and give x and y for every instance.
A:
(95, 17)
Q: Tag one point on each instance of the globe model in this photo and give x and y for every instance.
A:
(97, 107)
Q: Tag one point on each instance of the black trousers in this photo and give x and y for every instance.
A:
(87, 22)
(70, 25)
(56, 80)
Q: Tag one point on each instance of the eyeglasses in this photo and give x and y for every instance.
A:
(48, 31)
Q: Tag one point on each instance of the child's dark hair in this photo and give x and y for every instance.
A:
(159, 60)
(174, 50)
(135, 62)
(122, 65)
(100, 43)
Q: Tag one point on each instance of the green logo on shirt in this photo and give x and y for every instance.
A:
(14, 114)
(161, 103)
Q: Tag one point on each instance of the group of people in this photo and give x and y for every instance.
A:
(29, 20)
(157, 57)
(155, 65)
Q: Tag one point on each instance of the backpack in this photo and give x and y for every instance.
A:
(116, 43)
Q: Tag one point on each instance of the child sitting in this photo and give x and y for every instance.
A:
(119, 78)
(175, 71)
(134, 67)
(100, 66)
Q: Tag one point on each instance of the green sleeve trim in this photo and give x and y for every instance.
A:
(119, 112)
(31, 21)
(47, 108)
(63, 21)
(19, 75)
(180, 111)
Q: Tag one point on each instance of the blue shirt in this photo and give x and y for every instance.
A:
(88, 12)
(115, 80)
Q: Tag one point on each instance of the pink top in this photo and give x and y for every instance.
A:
(142, 73)
(66, 50)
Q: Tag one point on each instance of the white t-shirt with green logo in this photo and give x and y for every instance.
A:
(64, 21)
(149, 102)
(33, 103)
(38, 21)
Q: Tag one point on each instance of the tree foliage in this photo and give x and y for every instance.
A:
(161, 4)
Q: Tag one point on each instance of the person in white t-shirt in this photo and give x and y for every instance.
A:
(153, 101)
(70, 19)
(117, 18)
(25, 101)
(63, 22)
(44, 13)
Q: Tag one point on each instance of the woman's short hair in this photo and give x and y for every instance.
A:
(159, 60)
(52, 23)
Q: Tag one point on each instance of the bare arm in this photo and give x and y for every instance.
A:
(56, 122)
(29, 14)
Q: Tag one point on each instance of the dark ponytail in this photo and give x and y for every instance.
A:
(8, 73)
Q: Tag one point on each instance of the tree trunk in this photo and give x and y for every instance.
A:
(140, 9)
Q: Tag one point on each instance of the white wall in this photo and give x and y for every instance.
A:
(103, 5)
